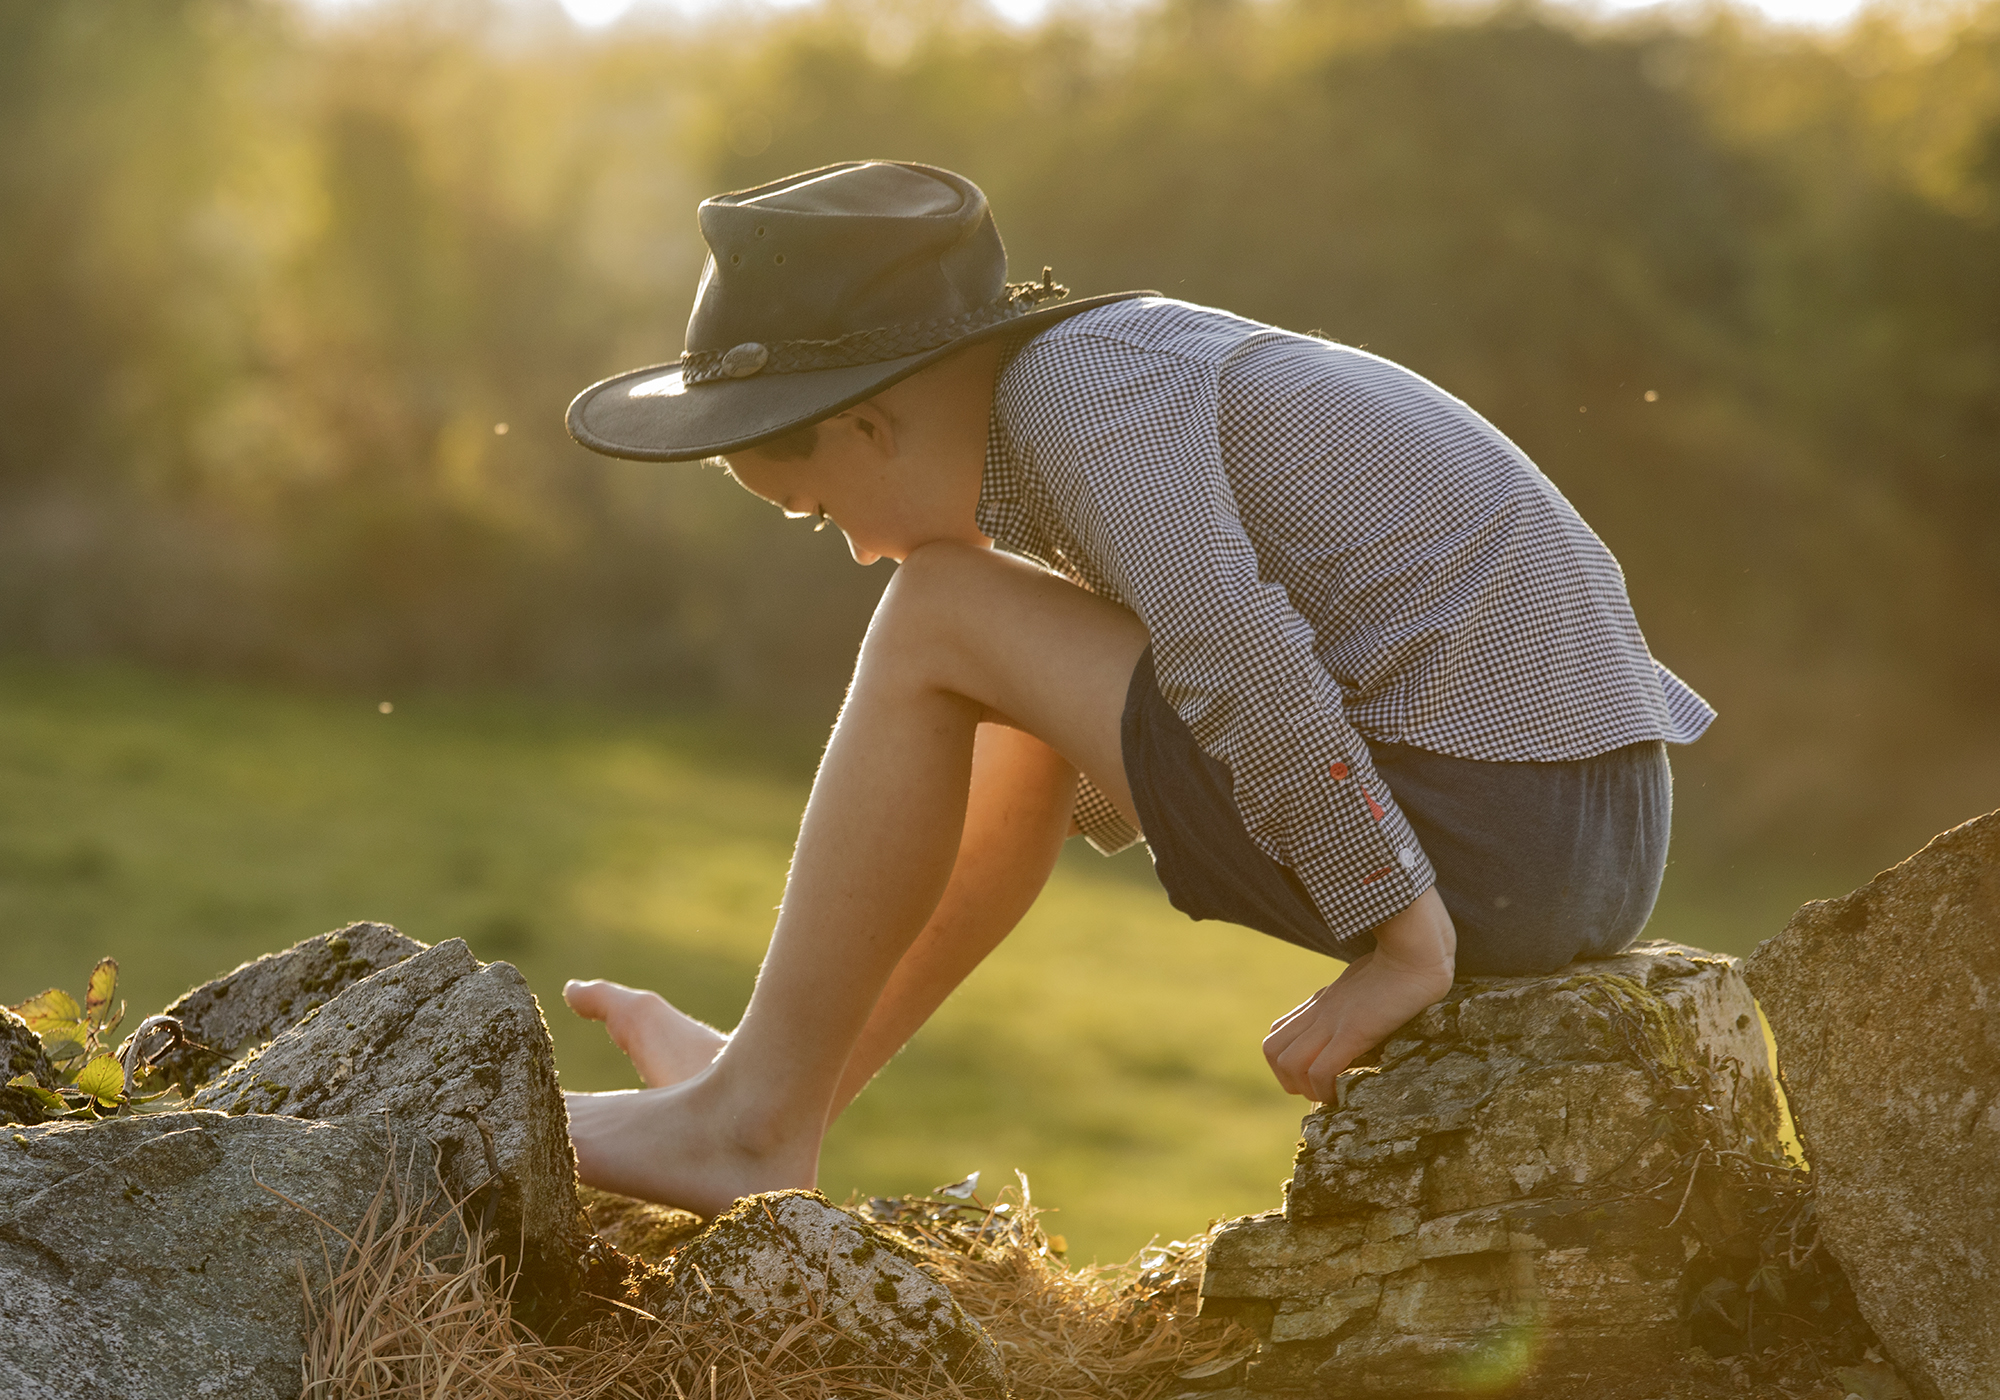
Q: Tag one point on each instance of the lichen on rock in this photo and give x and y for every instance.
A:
(455, 1054)
(645, 1231)
(1885, 1005)
(157, 1257)
(1480, 1208)
(241, 1010)
(774, 1259)
(21, 1053)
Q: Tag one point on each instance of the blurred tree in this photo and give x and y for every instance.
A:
(290, 304)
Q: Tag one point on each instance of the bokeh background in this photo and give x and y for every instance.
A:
(292, 298)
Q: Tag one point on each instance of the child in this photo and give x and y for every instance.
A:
(1354, 667)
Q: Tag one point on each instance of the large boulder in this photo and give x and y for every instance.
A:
(775, 1259)
(1886, 1009)
(239, 1011)
(455, 1054)
(1499, 1201)
(153, 1258)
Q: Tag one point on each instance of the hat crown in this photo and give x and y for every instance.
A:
(844, 249)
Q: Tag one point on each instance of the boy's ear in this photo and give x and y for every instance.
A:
(874, 423)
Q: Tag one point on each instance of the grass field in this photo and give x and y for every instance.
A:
(1109, 1049)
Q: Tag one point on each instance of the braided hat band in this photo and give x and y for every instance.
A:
(866, 347)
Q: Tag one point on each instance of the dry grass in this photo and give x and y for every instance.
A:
(415, 1310)
(1117, 1330)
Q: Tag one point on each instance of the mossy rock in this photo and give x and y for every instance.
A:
(22, 1051)
(776, 1258)
(241, 1010)
(647, 1232)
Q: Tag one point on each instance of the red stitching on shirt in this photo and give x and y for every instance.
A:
(1371, 879)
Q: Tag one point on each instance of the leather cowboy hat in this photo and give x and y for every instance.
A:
(820, 289)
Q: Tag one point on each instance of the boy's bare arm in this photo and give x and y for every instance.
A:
(1410, 969)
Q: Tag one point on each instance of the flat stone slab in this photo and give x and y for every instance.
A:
(140, 1258)
(455, 1054)
(1470, 1212)
(1885, 1006)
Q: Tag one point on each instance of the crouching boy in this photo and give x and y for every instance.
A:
(1355, 669)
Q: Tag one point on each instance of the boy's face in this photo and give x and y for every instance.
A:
(896, 472)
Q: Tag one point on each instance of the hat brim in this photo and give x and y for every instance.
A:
(650, 415)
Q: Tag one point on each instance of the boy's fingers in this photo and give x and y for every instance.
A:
(1310, 1004)
(1326, 1068)
(1295, 1064)
(1279, 1058)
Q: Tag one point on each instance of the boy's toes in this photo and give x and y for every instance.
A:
(664, 1045)
(591, 1000)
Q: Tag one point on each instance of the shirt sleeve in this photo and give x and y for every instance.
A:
(1126, 440)
(1099, 821)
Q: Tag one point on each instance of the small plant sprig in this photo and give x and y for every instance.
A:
(92, 1081)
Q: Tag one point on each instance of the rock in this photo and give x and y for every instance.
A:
(1470, 1214)
(451, 1050)
(21, 1053)
(773, 1259)
(1886, 1009)
(645, 1231)
(240, 1011)
(141, 1260)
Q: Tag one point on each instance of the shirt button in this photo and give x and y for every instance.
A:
(1337, 772)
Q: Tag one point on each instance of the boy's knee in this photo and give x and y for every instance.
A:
(943, 567)
(925, 606)
(933, 590)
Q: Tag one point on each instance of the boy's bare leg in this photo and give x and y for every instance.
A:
(1016, 819)
(962, 634)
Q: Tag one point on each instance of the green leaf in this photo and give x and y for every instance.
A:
(55, 1007)
(1875, 1380)
(29, 1085)
(97, 993)
(103, 1079)
(64, 1043)
(1769, 1280)
(101, 989)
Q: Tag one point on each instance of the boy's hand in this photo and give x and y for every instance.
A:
(1410, 969)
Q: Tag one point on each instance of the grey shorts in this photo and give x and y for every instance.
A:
(1538, 863)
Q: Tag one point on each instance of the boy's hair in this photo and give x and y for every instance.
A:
(792, 445)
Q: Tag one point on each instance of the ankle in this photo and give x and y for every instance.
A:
(755, 1125)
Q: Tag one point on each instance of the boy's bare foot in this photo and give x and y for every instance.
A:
(684, 1146)
(1410, 969)
(665, 1044)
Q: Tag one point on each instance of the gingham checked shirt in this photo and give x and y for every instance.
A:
(1322, 546)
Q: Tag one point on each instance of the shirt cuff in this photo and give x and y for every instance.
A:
(1099, 821)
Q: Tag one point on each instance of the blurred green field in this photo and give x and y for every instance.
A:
(1109, 1049)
